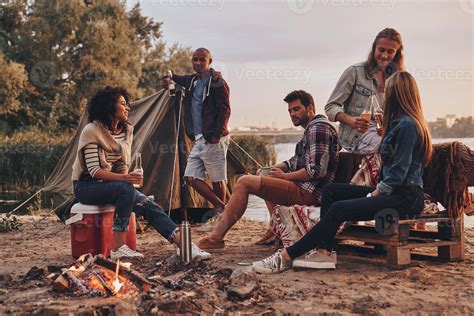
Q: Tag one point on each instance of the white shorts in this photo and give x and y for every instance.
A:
(210, 158)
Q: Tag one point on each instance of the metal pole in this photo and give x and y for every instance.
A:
(185, 228)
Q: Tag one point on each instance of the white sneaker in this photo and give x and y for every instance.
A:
(124, 252)
(209, 225)
(272, 264)
(197, 253)
(316, 260)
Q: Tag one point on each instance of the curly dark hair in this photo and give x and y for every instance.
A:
(305, 98)
(102, 105)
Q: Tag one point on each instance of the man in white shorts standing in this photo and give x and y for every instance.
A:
(206, 114)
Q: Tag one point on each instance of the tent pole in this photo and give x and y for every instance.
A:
(19, 206)
(182, 156)
(185, 228)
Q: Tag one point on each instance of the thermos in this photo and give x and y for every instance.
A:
(186, 248)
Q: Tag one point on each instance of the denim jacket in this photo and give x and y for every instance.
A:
(401, 154)
(350, 96)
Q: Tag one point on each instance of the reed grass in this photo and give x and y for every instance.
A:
(27, 158)
(258, 147)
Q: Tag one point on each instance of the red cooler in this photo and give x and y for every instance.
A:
(91, 229)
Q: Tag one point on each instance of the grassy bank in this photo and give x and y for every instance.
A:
(27, 158)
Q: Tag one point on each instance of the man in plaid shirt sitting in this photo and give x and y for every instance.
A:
(298, 180)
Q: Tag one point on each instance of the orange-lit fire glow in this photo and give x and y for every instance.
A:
(117, 285)
(113, 281)
(99, 276)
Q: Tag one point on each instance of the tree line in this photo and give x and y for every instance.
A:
(462, 127)
(55, 54)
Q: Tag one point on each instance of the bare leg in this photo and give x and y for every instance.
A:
(177, 239)
(119, 239)
(202, 188)
(271, 207)
(219, 190)
(269, 235)
(234, 210)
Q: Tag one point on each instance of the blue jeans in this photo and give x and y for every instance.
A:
(125, 198)
(342, 202)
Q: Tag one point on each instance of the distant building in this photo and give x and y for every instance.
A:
(450, 120)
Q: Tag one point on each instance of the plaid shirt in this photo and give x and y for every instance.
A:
(318, 153)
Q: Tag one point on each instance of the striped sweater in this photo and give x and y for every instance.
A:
(91, 155)
(112, 155)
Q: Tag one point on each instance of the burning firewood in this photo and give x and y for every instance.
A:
(137, 279)
(101, 280)
(96, 275)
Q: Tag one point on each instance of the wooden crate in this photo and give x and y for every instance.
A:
(398, 239)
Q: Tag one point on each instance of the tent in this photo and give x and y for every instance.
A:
(155, 119)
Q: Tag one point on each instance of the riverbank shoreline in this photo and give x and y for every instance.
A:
(356, 286)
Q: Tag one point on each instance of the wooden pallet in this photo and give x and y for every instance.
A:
(396, 237)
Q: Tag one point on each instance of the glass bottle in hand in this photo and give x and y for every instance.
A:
(378, 112)
(138, 169)
(172, 86)
(366, 115)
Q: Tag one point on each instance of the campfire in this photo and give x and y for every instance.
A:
(99, 276)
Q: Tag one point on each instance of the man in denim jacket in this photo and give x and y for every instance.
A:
(357, 84)
(349, 98)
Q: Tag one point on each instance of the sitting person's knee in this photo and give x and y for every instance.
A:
(244, 180)
(127, 188)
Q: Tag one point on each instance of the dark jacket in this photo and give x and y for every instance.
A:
(401, 154)
(216, 106)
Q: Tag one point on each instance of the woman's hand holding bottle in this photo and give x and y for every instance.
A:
(134, 178)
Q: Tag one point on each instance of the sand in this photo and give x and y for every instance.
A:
(356, 287)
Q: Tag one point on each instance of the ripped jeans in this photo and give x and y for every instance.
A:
(126, 199)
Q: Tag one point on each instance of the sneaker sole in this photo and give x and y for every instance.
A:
(314, 265)
(262, 270)
(265, 271)
(128, 257)
(202, 258)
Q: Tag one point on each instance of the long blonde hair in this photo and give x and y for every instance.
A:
(403, 97)
(398, 61)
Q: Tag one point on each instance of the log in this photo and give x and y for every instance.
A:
(102, 282)
(75, 282)
(60, 283)
(134, 276)
(82, 264)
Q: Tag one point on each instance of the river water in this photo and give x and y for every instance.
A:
(257, 209)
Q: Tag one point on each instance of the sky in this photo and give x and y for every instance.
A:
(265, 49)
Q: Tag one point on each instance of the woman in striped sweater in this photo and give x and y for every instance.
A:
(101, 171)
